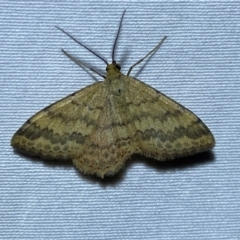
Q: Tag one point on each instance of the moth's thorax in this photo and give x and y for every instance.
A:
(115, 80)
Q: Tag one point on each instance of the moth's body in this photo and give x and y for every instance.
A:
(102, 125)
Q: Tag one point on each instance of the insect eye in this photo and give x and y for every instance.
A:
(118, 66)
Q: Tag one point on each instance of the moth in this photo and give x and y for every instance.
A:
(102, 125)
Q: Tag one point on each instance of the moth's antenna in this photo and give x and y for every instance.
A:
(147, 55)
(116, 39)
(81, 64)
(74, 39)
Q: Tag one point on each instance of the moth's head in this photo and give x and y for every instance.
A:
(113, 67)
